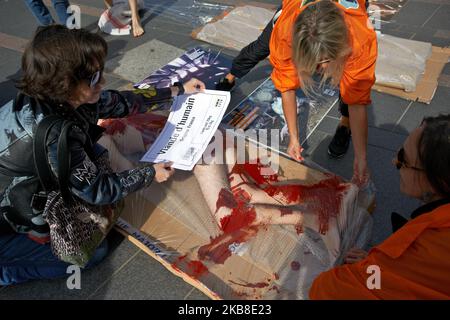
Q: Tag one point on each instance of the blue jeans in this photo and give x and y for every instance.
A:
(42, 14)
(22, 259)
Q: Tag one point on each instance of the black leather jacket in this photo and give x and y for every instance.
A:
(18, 179)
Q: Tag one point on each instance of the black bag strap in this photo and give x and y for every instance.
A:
(43, 169)
(41, 164)
(64, 162)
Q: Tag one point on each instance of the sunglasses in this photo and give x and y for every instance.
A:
(400, 162)
(95, 78)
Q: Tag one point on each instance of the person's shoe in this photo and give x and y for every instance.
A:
(340, 142)
(225, 85)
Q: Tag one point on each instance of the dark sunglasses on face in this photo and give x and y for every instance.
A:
(400, 161)
(95, 78)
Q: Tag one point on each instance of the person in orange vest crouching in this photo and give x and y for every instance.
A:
(414, 262)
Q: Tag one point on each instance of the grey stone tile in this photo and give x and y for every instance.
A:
(17, 20)
(9, 71)
(415, 13)
(328, 125)
(446, 69)
(417, 111)
(334, 112)
(441, 19)
(388, 197)
(314, 140)
(136, 64)
(400, 34)
(387, 26)
(386, 139)
(428, 35)
(90, 3)
(177, 39)
(143, 278)
(196, 295)
(90, 279)
(117, 84)
(385, 110)
(342, 167)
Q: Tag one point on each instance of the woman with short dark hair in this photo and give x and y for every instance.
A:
(414, 262)
(63, 76)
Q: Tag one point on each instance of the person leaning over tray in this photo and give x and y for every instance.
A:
(333, 40)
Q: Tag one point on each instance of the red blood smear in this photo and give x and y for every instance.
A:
(113, 126)
(226, 199)
(149, 124)
(254, 171)
(218, 249)
(299, 228)
(295, 265)
(276, 276)
(194, 268)
(251, 285)
(285, 211)
(324, 198)
(242, 214)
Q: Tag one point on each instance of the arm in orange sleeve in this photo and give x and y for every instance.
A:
(359, 76)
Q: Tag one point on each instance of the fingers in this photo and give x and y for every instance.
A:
(193, 86)
(200, 85)
(168, 164)
(296, 153)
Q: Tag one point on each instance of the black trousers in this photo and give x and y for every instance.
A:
(255, 52)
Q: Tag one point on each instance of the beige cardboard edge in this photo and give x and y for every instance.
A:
(195, 283)
(426, 88)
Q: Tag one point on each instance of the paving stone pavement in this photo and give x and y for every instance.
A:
(130, 274)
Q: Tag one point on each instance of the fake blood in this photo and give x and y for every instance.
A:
(323, 198)
(251, 285)
(218, 250)
(194, 268)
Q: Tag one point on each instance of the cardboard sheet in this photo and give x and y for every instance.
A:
(427, 86)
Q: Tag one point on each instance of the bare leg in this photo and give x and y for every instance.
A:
(135, 19)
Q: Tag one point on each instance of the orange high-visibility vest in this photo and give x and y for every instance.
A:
(359, 73)
(414, 263)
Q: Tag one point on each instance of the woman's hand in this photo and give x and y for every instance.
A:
(361, 174)
(193, 86)
(295, 150)
(163, 171)
(355, 255)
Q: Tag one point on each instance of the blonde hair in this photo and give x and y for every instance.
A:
(320, 33)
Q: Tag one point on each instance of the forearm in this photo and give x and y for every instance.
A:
(93, 184)
(114, 104)
(359, 127)
(290, 112)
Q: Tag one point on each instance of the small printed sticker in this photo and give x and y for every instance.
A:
(349, 4)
